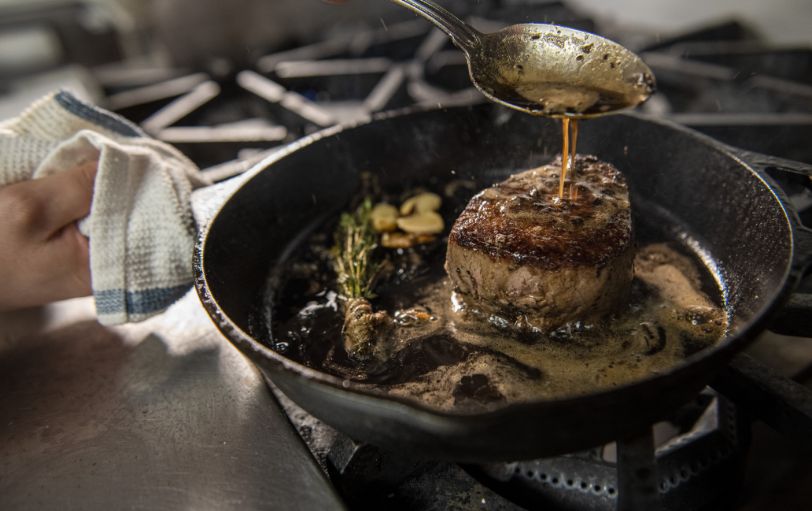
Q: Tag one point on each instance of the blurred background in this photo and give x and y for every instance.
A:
(229, 82)
(779, 21)
(225, 81)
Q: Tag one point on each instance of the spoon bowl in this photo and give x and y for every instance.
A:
(556, 71)
(544, 69)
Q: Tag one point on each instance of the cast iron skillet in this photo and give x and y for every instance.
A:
(726, 202)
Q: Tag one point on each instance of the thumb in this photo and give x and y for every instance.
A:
(66, 196)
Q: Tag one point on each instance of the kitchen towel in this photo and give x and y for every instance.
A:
(140, 226)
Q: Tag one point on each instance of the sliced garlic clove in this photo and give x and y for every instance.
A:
(396, 240)
(384, 217)
(428, 202)
(427, 222)
(421, 203)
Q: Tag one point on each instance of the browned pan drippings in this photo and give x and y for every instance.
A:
(465, 358)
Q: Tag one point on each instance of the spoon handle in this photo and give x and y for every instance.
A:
(463, 35)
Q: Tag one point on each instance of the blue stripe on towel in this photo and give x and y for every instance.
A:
(99, 117)
(146, 301)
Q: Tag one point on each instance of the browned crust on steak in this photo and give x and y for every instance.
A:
(521, 219)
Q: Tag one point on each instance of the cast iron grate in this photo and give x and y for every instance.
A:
(722, 80)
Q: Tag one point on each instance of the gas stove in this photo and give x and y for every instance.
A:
(722, 80)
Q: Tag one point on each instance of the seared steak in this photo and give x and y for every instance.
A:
(520, 253)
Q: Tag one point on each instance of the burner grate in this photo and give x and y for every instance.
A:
(696, 465)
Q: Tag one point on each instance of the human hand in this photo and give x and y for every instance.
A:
(43, 256)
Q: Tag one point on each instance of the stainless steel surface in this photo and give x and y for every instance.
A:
(159, 415)
(545, 69)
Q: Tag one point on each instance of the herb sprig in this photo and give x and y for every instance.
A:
(353, 261)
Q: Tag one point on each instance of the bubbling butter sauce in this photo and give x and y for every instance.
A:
(448, 355)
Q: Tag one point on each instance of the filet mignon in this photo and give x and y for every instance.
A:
(520, 253)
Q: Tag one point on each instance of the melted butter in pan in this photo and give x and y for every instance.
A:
(668, 319)
(462, 359)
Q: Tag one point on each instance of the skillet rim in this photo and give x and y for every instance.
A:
(250, 346)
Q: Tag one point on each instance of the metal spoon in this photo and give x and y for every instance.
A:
(544, 69)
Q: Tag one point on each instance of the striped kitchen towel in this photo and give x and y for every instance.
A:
(140, 226)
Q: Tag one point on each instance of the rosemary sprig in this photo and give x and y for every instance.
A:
(352, 255)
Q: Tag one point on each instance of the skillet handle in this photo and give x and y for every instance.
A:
(795, 318)
(765, 161)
